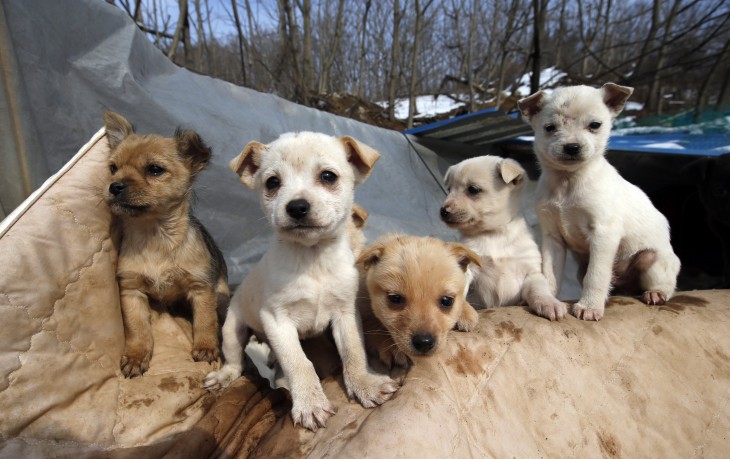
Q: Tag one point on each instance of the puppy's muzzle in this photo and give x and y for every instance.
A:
(423, 343)
(298, 208)
(571, 150)
(445, 214)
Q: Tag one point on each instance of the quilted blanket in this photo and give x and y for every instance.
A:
(643, 382)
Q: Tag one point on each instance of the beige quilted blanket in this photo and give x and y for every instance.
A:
(643, 382)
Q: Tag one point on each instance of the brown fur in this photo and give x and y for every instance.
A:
(166, 254)
(421, 271)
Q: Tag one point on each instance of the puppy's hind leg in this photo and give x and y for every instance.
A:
(540, 300)
(235, 338)
(660, 279)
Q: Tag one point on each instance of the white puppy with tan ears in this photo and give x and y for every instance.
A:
(584, 205)
(307, 279)
(484, 205)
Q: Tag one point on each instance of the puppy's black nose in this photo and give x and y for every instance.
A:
(117, 187)
(571, 149)
(298, 208)
(423, 342)
(445, 213)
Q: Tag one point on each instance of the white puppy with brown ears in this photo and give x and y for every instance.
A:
(484, 205)
(307, 279)
(584, 205)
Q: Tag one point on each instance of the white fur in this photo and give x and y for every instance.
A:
(492, 225)
(584, 205)
(307, 279)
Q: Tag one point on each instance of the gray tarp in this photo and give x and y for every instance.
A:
(64, 77)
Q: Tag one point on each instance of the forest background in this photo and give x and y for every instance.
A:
(359, 58)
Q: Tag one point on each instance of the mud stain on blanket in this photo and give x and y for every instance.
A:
(609, 445)
(170, 384)
(508, 329)
(469, 362)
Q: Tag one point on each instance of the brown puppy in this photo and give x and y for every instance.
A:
(416, 288)
(166, 254)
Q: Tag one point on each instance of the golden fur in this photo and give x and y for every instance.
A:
(415, 289)
(166, 256)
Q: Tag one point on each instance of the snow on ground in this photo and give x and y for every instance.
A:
(633, 106)
(548, 77)
(671, 145)
(425, 106)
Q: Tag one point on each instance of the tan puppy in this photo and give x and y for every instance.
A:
(307, 279)
(585, 205)
(166, 255)
(415, 288)
(484, 205)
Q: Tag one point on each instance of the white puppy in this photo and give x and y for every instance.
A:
(307, 280)
(584, 205)
(484, 205)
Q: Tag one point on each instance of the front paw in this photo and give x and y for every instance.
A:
(654, 298)
(135, 362)
(468, 320)
(585, 313)
(371, 390)
(220, 379)
(311, 410)
(550, 308)
(203, 352)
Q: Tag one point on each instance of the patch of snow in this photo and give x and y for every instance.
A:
(548, 77)
(425, 106)
(668, 145)
(633, 106)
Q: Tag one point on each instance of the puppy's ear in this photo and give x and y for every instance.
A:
(362, 157)
(615, 97)
(370, 256)
(511, 171)
(248, 162)
(531, 105)
(696, 171)
(117, 128)
(359, 215)
(464, 255)
(447, 176)
(193, 149)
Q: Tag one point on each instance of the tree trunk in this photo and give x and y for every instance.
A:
(324, 73)
(180, 29)
(361, 53)
(420, 14)
(394, 58)
(305, 6)
(538, 11)
(237, 20)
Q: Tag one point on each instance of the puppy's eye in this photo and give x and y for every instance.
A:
(473, 190)
(396, 300)
(595, 126)
(113, 168)
(273, 183)
(550, 128)
(154, 169)
(328, 177)
(446, 302)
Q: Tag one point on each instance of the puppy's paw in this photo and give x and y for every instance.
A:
(653, 298)
(371, 390)
(135, 362)
(205, 353)
(220, 379)
(468, 320)
(584, 313)
(312, 410)
(549, 307)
